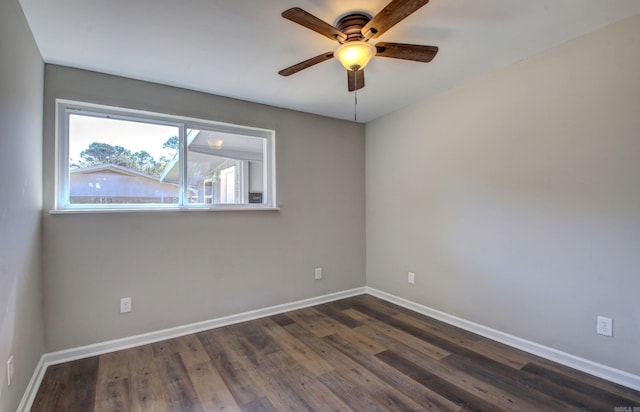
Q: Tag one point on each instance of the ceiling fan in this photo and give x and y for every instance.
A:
(354, 31)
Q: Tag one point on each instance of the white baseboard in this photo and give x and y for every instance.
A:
(32, 388)
(82, 352)
(593, 368)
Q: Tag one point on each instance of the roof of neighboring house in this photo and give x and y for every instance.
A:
(113, 168)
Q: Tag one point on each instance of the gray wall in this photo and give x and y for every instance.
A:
(21, 85)
(182, 267)
(515, 198)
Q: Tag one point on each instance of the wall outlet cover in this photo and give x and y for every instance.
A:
(604, 326)
(9, 370)
(125, 305)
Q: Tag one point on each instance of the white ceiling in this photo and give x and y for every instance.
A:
(236, 47)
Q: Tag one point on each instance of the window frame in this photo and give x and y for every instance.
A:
(62, 202)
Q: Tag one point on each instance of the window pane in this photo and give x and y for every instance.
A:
(114, 161)
(224, 167)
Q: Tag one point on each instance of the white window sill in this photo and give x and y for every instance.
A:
(155, 210)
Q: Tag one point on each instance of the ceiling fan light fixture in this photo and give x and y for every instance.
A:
(355, 55)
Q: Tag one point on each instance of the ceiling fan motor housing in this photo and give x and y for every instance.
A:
(351, 25)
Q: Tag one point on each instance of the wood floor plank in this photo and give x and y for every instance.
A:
(503, 381)
(308, 319)
(55, 392)
(366, 376)
(84, 376)
(437, 384)
(374, 304)
(338, 304)
(68, 386)
(361, 380)
(113, 366)
(364, 343)
(500, 353)
(296, 349)
(355, 354)
(335, 311)
(190, 349)
(304, 383)
(145, 380)
(179, 391)
(115, 396)
(505, 398)
(321, 325)
(508, 398)
(324, 350)
(253, 360)
(355, 395)
(112, 387)
(251, 333)
(595, 395)
(258, 405)
(326, 321)
(342, 365)
(490, 349)
(607, 386)
(439, 337)
(432, 323)
(281, 319)
(426, 398)
(371, 326)
(224, 357)
(448, 332)
(213, 393)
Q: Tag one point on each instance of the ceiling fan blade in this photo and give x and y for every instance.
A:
(306, 64)
(355, 79)
(405, 51)
(391, 15)
(303, 18)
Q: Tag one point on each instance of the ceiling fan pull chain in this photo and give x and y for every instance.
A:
(355, 107)
(355, 100)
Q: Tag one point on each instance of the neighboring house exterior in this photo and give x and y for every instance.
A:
(223, 167)
(117, 184)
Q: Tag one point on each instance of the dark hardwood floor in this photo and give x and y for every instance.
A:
(360, 354)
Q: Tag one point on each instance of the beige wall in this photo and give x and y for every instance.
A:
(21, 85)
(515, 198)
(183, 267)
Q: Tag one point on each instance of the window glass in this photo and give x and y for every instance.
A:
(114, 161)
(223, 167)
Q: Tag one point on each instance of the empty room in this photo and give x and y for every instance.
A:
(319, 205)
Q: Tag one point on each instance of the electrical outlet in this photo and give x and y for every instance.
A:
(9, 370)
(125, 305)
(411, 278)
(604, 326)
(318, 274)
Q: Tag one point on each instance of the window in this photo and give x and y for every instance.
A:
(112, 158)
